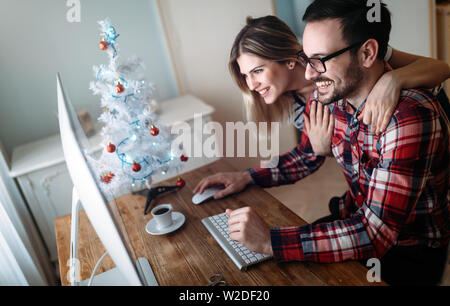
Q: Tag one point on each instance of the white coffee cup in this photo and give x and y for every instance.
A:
(163, 215)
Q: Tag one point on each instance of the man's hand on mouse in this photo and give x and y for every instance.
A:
(247, 227)
(233, 181)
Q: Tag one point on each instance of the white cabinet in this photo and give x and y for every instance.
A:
(41, 172)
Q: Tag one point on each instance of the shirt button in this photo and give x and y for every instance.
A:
(354, 148)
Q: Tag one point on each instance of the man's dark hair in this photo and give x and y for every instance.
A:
(355, 22)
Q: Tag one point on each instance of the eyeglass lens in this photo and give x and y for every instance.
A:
(316, 64)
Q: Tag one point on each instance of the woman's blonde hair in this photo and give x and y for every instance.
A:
(269, 38)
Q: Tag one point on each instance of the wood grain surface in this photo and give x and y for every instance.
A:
(190, 255)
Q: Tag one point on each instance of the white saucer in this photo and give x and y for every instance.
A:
(177, 218)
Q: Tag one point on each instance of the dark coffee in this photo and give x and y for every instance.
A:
(161, 211)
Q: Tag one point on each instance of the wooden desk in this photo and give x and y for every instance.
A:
(190, 255)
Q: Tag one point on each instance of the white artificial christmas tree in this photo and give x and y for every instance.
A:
(136, 146)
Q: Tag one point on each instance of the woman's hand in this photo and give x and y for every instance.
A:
(319, 127)
(233, 181)
(381, 103)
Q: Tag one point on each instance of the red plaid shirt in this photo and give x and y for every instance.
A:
(398, 184)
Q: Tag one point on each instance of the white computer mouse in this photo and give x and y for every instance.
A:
(207, 194)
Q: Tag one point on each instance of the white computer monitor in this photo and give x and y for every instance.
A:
(88, 193)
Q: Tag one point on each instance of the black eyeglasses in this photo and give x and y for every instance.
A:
(318, 64)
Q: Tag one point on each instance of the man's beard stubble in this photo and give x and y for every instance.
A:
(353, 76)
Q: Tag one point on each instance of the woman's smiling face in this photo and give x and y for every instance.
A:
(269, 79)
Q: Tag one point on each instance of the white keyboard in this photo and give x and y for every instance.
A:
(218, 227)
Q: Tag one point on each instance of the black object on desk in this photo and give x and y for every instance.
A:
(154, 192)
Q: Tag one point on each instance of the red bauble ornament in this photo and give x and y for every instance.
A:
(119, 88)
(180, 182)
(183, 158)
(111, 148)
(103, 45)
(136, 167)
(106, 178)
(154, 130)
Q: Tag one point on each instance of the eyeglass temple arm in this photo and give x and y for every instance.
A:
(324, 59)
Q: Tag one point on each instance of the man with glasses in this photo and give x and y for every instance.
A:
(396, 208)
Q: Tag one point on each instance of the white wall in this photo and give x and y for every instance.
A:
(37, 41)
(200, 35)
(410, 26)
(291, 12)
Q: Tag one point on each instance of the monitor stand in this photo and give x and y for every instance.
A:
(111, 277)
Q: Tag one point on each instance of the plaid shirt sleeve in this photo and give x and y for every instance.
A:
(414, 138)
(291, 166)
